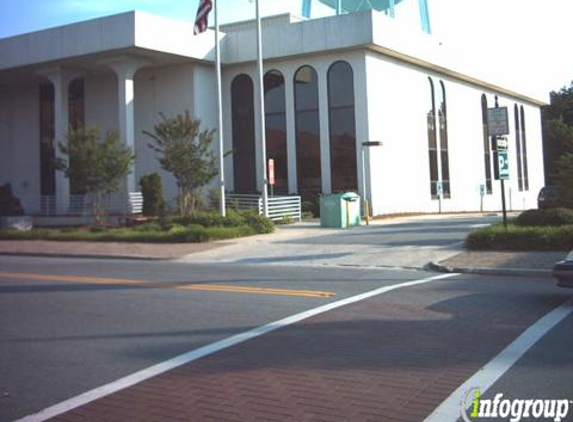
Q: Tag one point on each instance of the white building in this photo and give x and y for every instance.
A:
(331, 84)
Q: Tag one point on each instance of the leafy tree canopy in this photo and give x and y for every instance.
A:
(185, 151)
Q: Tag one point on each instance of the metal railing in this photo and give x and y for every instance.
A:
(280, 207)
(81, 205)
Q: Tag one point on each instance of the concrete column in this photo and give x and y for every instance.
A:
(60, 78)
(324, 128)
(290, 132)
(125, 68)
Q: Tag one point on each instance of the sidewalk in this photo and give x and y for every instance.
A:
(309, 244)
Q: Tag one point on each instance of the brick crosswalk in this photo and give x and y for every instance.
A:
(392, 358)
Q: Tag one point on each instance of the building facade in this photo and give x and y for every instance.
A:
(330, 85)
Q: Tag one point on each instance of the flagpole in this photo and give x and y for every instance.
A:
(262, 110)
(222, 207)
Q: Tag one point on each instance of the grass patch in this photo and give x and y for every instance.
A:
(172, 230)
(518, 238)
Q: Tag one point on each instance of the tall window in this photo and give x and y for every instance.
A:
(486, 149)
(432, 142)
(76, 104)
(524, 151)
(342, 128)
(242, 105)
(47, 147)
(307, 132)
(275, 119)
(518, 151)
(76, 120)
(443, 119)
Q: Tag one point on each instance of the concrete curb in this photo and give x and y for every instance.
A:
(87, 256)
(520, 272)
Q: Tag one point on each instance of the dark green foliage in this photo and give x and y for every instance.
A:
(96, 167)
(152, 191)
(517, 238)
(545, 217)
(557, 133)
(261, 224)
(9, 204)
(311, 208)
(184, 151)
(201, 227)
(564, 178)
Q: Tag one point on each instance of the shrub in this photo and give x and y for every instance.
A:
(261, 224)
(152, 191)
(521, 238)
(545, 217)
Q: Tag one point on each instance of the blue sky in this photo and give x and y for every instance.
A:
(533, 35)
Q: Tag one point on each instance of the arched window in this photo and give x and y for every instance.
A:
(275, 120)
(47, 144)
(518, 148)
(76, 104)
(432, 142)
(444, 157)
(524, 151)
(307, 132)
(486, 149)
(244, 170)
(342, 128)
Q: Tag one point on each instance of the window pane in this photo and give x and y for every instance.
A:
(307, 133)
(342, 128)
(243, 134)
(275, 119)
(524, 151)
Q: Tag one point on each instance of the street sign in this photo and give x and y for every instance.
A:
(502, 143)
(497, 123)
(503, 165)
(271, 172)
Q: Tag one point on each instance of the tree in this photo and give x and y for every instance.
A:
(97, 167)
(152, 191)
(185, 152)
(557, 141)
(557, 131)
(564, 179)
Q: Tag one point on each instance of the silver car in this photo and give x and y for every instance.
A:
(563, 271)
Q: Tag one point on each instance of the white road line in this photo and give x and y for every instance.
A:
(209, 349)
(450, 409)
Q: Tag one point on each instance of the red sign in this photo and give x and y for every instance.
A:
(271, 172)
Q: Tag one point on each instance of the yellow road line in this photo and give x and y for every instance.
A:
(70, 278)
(195, 287)
(256, 290)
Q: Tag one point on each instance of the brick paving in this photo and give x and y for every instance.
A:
(104, 249)
(391, 358)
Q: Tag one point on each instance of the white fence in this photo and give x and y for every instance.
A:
(81, 205)
(280, 207)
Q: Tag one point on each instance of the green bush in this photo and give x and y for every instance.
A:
(516, 238)
(545, 217)
(261, 224)
(152, 191)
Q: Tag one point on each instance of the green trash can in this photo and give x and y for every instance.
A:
(340, 210)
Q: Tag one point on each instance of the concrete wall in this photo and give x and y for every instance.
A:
(288, 68)
(399, 99)
(20, 143)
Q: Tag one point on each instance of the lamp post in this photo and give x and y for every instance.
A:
(365, 145)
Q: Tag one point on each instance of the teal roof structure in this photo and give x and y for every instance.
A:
(386, 6)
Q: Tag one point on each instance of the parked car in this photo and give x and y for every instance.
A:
(549, 197)
(563, 271)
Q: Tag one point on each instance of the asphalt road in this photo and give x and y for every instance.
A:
(68, 326)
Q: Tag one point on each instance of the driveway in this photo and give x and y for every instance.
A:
(404, 243)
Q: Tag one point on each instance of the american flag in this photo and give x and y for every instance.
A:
(205, 7)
